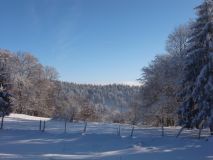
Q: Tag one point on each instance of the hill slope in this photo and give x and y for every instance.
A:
(21, 140)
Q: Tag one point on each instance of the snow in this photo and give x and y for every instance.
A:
(21, 139)
(27, 117)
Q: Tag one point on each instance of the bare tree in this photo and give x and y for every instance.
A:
(161, 79)
(177, 40)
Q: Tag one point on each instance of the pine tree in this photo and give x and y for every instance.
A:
(5, 97)
(197, 95)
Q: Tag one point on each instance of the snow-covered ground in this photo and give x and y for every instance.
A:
(21, 139)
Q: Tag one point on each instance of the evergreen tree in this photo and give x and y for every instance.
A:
(5, 97)
(197, 96)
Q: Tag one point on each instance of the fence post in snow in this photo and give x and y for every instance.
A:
(85, 127)
(180, 131)
(119, 130)
(162, 128)
(40, 125)
(44, 126)
(65, 126)
(132, 131)
(162, 124)
(2, 121)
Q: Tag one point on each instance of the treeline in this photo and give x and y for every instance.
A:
(37, 91)
(178, 85)
(100, 102)
(162, 80)
(31, 84)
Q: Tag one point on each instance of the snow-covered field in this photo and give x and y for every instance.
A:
(21, 139)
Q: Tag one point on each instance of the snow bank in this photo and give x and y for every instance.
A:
(27, 117)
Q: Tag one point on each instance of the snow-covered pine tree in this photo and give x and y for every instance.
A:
(197, 107)
(5, 97)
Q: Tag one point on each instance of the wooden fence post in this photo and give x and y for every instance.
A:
(2, 121)
(40, 125)
(65, 126)
(119, 130)
(44, 126)
(132, 131)
(85, 127)
(180, 131)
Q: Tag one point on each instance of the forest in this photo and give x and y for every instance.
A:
(176, 87)
(36, 91)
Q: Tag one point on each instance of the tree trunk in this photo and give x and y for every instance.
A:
(72, 117)
(199, 135)
(200, 128)
(211, 129)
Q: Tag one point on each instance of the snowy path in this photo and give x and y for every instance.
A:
(21, 140)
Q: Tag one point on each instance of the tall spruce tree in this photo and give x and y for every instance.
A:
(197, 95)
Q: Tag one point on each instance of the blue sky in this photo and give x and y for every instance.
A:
(92, 41)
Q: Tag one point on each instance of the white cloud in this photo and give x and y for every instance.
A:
(131, 83)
